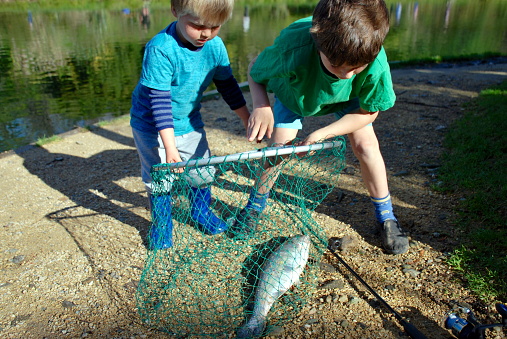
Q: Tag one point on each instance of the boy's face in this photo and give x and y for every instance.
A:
(343, 71)
(192, 30)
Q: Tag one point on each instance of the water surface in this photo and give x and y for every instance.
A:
(59, 70)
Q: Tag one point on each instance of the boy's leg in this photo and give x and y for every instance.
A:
(194, 145)
(148, 148)
(366, 148)
(287, 125)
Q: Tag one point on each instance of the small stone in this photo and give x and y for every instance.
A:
(88, 281)
(276, 331)
(344, 323)
(312, 321)
(18, 259)
(354, 300)
(20, 318)
(410, 271)
(348, 242)
(68, 304)
(331, 284)
(327, 267)
(401, 173)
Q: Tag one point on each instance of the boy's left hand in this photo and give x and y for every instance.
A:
(260, 124)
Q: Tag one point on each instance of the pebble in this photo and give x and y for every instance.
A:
(327, 267)
(19, 319)
(343, 299)
(311, 321)
(18, 259)
(401, 173)
(344, 323)
(276, 331)
(410, 271)
(331, 284)
(354, 300)
(68, 304)
(348, 242)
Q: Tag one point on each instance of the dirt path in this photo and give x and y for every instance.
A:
(73, 216)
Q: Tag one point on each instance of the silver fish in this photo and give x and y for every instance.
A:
(280, 271)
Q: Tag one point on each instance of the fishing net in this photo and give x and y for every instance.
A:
(208, 285)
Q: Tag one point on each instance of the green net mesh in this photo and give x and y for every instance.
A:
(211, 285)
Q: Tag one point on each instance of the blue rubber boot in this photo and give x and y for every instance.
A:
(246, 222)
(209, 223)
(161, 232)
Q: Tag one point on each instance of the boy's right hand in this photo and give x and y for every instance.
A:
(260, 124)
(173, 156)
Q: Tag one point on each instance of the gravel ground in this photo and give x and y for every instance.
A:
(74, 217)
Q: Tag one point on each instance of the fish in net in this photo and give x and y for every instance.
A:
(206, 284)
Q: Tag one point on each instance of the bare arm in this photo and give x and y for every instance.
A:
(349, 123)
(244, 114)
(261, 120)
(171, 152)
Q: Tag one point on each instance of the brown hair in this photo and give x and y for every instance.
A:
(350, 31)
(211, 12)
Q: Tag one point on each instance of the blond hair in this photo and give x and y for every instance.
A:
(350, 31)
(211, 12)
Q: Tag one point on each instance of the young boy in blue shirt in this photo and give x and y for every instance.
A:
(179, 64)
(332, 62)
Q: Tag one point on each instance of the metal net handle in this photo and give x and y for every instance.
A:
(256, 154)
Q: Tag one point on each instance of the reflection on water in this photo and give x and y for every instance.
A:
(59, 70)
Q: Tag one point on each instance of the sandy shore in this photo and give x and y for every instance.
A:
(73, 218)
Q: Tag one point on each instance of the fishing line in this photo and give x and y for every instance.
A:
(409, 328)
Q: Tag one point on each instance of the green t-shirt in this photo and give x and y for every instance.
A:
(291, 69)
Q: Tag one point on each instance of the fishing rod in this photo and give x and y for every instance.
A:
(409, 328)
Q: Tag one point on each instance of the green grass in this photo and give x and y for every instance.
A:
(475, 168)
(46, 140)
(119, 120)
(440, 59)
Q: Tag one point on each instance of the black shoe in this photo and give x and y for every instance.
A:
(246, 224)
(394, 239)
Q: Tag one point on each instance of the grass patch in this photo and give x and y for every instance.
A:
(475, 167)
(114, 121)
(436, 60)
(47, 140)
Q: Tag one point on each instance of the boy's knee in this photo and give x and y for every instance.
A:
(365, 148)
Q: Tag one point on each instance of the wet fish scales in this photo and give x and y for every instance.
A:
(281, 270)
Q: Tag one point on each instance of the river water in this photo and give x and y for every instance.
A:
(62, 69)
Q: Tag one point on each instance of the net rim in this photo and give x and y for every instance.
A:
(255, 154)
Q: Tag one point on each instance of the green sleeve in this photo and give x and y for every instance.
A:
(376, 91)
(269, 65)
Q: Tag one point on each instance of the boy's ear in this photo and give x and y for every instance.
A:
(173, 11)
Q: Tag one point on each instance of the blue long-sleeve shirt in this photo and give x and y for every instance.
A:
(173, 80)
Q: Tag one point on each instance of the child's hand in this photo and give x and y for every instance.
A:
(173, 157)
(305, 142)
(260, 124)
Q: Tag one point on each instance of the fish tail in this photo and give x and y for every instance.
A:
(253, 328)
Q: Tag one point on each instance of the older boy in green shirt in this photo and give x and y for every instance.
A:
(332, 62)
